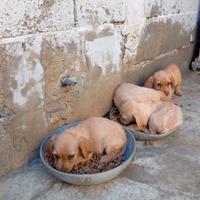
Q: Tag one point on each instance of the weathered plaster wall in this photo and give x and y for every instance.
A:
(96, 43)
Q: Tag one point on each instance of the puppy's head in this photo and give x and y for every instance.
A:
(161, 81)
(69, 150)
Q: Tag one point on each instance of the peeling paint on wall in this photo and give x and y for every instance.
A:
(28, 76)
(105, 51)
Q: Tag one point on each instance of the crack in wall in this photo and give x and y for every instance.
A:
(123, 46)
(45, 107)
(115, 22)
(6, 114)
(75, 14)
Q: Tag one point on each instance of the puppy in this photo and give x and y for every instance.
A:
(138, 112)
(166, 117)
(128, 92)
(168, 80)
(92, 136)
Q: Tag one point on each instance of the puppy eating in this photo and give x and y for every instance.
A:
(92, 136)
(165, 118)
(168, 80)
(135, 103)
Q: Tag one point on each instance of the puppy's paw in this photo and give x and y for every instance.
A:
(105, 159)
(178, 92)
(146, 131)
(138, 129)
(108, 157)
(152, 131)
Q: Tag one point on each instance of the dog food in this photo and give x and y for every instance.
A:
(94, 166)
(91, 166)
(50, 159)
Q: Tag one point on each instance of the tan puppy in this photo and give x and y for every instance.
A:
(138, 112)
(166, 117)
(92, 136)
(167, 80)
(128, 92)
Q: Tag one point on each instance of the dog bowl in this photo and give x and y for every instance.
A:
(90, 179)
(114, 115)
(148, 137)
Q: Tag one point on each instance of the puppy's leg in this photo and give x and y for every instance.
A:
(142, 129)
(111, 154)
(149, 83)
(141, 121)
(107, 158)
(178, 90)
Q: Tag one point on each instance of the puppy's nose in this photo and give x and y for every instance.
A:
(67, 168)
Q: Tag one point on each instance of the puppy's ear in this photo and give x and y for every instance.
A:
(85, 147)
(141, 119)
(150, 82)
(173, 81)
(49, 145)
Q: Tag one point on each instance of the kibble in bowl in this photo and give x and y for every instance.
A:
(91, 166)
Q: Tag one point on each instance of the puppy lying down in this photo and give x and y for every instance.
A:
(79, 144)
(148, 108)
(151, 117)
(128, 92)
(166, 117)
(167, 80)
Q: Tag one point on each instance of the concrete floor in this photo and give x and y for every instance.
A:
(168, 169)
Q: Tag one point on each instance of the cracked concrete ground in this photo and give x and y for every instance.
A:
(168, 169)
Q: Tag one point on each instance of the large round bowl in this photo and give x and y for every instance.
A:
(89, 179)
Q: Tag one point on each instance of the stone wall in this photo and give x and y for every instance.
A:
(96, 43)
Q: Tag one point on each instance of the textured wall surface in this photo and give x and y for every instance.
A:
(96, 43)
